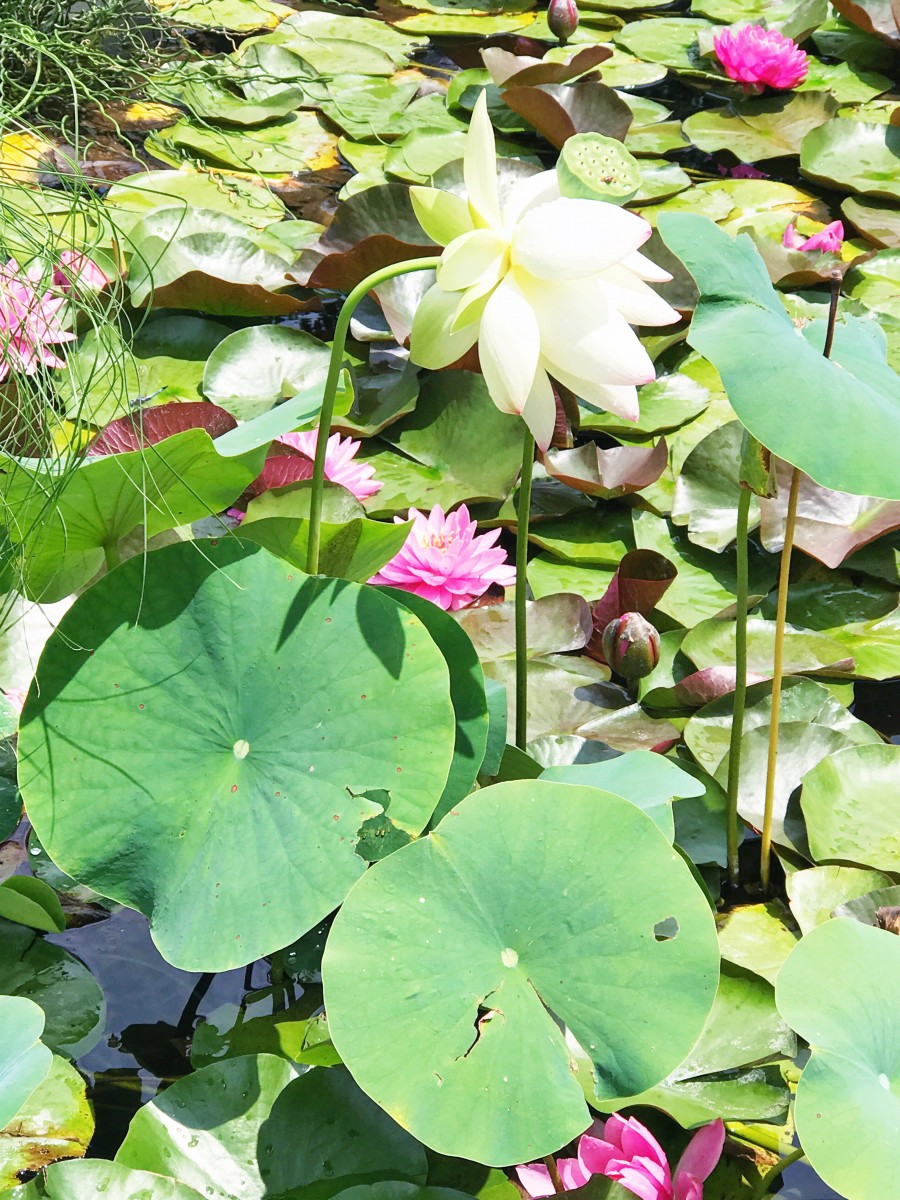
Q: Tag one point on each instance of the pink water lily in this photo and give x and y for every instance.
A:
(757, 57)
(626, 1151)
(446, 561)
(75, 268)
(356, 477)
(30, 323)
(829, 240)
(630, 1154)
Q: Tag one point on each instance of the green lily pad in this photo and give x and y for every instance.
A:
(66, 991)
(876, 220)
(843, 800)
(308, 30)
(847, 82)
(548, 575)
(29, 901)
(290, 1033)
(24, 1059)
(815, 892)
(83, 1179)
(647, 780)
(249, 1127)
(707, 489)
(826, 432)
(467, 983)
(56, 1122)
(251, 203)
(203, 259)
(854, 155)
(602, 537)
(159, 487)
(711, 644)
(237, 16)
(876, 282)
(146, 622)
(849, 1092)
(254, 369)
(297, 142)
(757, 938)
(769, 127)
(659, 180)
(671, 41)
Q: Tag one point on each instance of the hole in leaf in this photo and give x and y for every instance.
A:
(665, 930)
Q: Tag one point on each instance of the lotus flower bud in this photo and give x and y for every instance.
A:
(631, 645)
(562, 19)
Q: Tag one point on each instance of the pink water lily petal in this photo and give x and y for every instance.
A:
(703, 1152)
(340, 467)
(757, 57)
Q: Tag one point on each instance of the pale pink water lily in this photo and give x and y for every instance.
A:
(16, 697)
(445, 561)
(356, 477)
(74, 268)
(829, 240)
(626, 1151)
(757, 57)
(546, 285)
(30, 323)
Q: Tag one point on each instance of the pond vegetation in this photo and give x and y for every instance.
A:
(498, 796)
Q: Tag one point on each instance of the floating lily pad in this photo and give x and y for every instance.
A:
(297, 142)
(856, 155)
(56, 1122)
(491, 969)
(256, 368)
(237, 16)
(67, 993)
(817, 891)
(843, 800)
(848, 83)
(24, 1059)
(765, 128)
(671, 41)
(145, 622)
(849, 1092)
(711, 644)
(876, 220)
(757, 937)
(82, 1180)
(249, 1127)
(244, 200)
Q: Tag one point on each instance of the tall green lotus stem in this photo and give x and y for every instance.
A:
(523, 513)
(740, 687)
(348, 308)
(780, 622)
(765, 852)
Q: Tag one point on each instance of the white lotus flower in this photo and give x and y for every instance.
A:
(544, 284)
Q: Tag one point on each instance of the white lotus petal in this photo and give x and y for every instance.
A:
(502, 65)
(539, 412)
(619, 399)
(528, 193)
(569, 239)
(637, 302)
(473, 302)
(480, 167)
(581, 333)
(442, 215)
(645, 269)
(433, 343)
(508, 347)
(468, 259)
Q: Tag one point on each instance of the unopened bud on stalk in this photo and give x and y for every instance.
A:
(562, 19)
(631, 645)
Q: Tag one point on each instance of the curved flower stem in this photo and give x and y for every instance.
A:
(553, 1172)
(334, 372)
(765, 850)
(740, 686)
(522, 514)
(780, 620)
(762, 1188)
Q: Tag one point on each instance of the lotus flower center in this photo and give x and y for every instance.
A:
(438, 541)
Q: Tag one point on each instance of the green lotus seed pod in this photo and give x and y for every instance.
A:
(594, 167)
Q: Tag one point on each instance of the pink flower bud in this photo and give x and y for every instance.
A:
(756, 57)
(562, 19)
(828, 240)
(631, 645)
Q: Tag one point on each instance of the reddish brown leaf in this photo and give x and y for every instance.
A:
(701, 687)
(607, 473)
(147, 426)
(642, 579)
(341, 271)
(505, 66)
(559, 110)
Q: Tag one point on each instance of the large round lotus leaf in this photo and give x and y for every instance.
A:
(855, 155)
(465, 943)
(86, 1178)
(24, 1059)
(278, 701)
(249, 1127)
(55, 1122)
(68, 994)
(848, 800)
(258, 367)
(838, 989)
